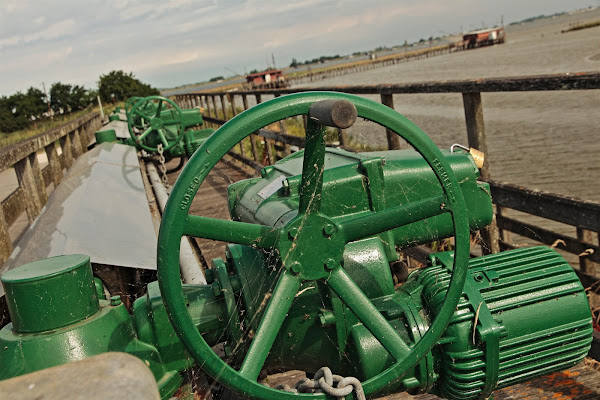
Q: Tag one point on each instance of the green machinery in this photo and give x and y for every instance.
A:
(156, 122)
(309, 277)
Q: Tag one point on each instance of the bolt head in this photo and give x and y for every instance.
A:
(293, 232)
(115, 300)
(296, 267)
(328, 229)
(331, 264)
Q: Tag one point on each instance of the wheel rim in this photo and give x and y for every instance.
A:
(177, 223)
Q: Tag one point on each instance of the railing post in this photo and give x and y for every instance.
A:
(476, 138)
(76, 143)
(343, 137)
(586, 266)
(286, 147)
(65, 145)
(54, 164)
(214, 104)
(231, 98)
(393, 140)
(5, 242)
(27, 182)
(252, 136)
(223, 108)
(39, 178)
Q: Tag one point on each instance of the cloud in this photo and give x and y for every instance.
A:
(66, 39)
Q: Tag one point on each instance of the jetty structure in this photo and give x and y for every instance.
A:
(293, 250)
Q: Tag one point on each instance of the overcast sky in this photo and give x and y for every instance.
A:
(169, 43)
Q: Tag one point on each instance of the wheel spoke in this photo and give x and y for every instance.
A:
(144, 115)
(312, 169)
(231, 231)
(159, 108)
(146, 132)
(381, 221)
(366, 312)
(162, 137)
(270, 325)
(171, 122)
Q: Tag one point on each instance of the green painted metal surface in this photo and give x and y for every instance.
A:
(307, 281)
(57, 318)
(106, 136)
(36, 295)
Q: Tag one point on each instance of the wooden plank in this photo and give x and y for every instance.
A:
(550, 82)
(252, 135)
(549, 238)
(257, 166)
(585, 263)
(476, 137)
(27, 182)
(288, 139)
(580, 213)
(11, 154)
(393, 139)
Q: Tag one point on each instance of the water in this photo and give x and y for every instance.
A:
(543, 140)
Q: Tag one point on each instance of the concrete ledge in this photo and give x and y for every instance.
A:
(106, 376)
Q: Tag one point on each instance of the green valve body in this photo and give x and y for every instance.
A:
(57, 318)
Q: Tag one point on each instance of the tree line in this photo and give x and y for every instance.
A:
(19, 110)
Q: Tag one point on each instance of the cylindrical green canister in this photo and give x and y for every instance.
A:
(48, 294)
(107, 136)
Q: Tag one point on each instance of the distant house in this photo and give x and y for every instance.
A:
(484, 37)
(266, 79)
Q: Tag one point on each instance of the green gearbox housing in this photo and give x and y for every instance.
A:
(522, 313)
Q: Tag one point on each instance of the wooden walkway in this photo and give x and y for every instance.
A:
(581, 382)
(211, 201)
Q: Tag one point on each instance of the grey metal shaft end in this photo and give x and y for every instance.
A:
(335, 113)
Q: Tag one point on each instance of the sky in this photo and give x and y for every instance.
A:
(168, 43)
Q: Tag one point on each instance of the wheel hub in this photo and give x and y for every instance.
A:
(311, 247)
(156, 123)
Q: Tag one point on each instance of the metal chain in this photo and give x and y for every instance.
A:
(324, 381)
(162, 166)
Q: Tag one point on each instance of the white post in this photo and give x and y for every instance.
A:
(101, 110)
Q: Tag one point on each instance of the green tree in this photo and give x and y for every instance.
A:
(79, 98)
(60, 97)
(294, 63)
(10, 118)
(123, 85)
(33, 104)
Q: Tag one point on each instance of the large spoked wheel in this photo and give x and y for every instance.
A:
(310, 230)
(129, 103)
(149, 125)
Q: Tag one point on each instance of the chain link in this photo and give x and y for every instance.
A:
(326, 382)
(162, 167)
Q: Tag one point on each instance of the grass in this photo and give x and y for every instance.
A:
(39, 127)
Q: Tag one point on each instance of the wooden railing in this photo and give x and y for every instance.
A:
(70, 140)
(583, 215)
